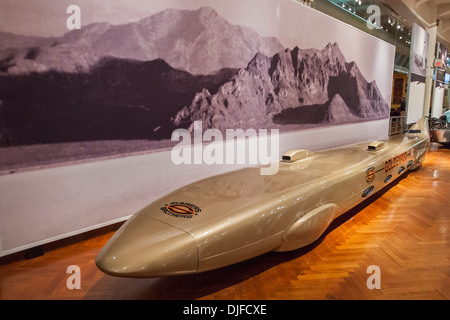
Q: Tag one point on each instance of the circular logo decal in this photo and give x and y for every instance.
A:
(181, 209)
(370, 174)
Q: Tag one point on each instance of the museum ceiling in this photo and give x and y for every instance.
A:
(397, 18)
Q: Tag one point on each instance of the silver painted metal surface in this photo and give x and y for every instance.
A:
(439, 131)
(441, 136)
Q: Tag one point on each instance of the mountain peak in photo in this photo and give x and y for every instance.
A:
(198, 41)
(294, 86)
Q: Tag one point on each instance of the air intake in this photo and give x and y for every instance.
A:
(376, 145)
(295, 155)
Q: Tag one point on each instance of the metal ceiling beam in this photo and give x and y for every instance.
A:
(420, 2)
(443, 10)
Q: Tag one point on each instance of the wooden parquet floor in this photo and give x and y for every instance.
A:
(404, 230)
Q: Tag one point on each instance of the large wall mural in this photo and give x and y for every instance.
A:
(87, 115)
(119, 88)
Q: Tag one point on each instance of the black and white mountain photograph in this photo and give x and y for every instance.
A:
(120, 87)
(419, 52)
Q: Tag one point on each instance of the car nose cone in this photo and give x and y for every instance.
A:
(145, 247)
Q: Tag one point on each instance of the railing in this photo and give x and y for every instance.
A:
(397, 125)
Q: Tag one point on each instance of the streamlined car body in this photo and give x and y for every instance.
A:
(236, 216)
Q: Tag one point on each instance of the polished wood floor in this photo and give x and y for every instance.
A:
(404, 230)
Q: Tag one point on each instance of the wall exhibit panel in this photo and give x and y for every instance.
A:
(417, 74)
(438, 101)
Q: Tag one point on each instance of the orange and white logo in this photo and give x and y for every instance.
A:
(370, 174)
(181, 209)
